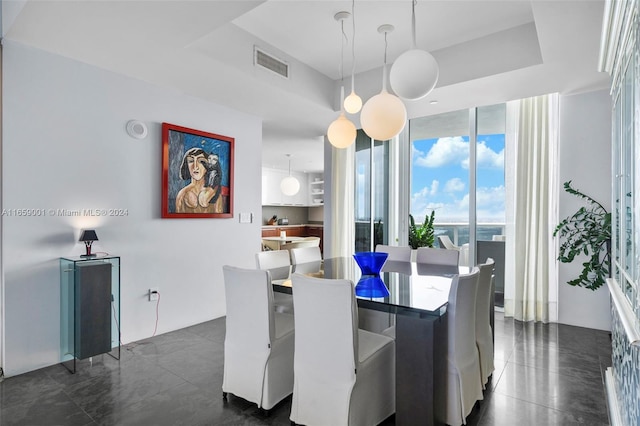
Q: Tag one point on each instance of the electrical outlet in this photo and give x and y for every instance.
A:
(153, 294)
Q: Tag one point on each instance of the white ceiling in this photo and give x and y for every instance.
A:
(488, 52)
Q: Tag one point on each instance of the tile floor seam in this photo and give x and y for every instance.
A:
(545, 369)
(78, 406)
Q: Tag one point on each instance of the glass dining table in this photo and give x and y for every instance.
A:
(418, 296)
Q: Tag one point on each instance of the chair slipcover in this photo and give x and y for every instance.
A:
(315, 241)
(301, 243)
(463, 368)
(342, 375)
(306, 260)
(259, 343)
(484, 333)
(277, 262)
(396, 253)
(436, 256)
(446, 243)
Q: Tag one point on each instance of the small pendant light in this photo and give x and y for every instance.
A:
(341, 132)
(289, 185)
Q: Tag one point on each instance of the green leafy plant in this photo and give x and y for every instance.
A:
(588, 232)
(423, 235)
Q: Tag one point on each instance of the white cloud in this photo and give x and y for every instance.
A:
(435, 184)
(490, 206)
(454, 185)
(488, 158)
(421, 198)
(454, 150)
(446, 151)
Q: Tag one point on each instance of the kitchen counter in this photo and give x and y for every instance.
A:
(291, 226)
(304, 230)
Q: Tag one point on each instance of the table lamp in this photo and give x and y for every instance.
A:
(88, 237)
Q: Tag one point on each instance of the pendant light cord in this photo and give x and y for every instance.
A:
(413, 21)
(385, 49)
(353, 46)
(343, 38)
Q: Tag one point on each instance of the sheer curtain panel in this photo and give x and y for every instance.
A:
(342, 231)
(535, 210)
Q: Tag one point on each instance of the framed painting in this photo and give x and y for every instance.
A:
(197, 174)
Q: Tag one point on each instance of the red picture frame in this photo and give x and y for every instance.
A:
(197, 174)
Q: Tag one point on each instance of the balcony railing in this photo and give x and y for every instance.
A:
(458, 232)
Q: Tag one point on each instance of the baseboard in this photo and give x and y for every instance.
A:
(615, 418)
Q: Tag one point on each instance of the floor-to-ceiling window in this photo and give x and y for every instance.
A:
(491, 191)
(457, 170)
(371, 192)
(440, 172)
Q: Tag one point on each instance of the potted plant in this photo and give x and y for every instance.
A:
(423, 235)
(588, 232)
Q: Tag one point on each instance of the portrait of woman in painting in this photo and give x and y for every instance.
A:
(203, 192)
(197, 174)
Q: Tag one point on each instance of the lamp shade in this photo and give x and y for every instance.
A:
(289, 185)
(383, 116)
(414, 74)
(341, 132)
(88, 235)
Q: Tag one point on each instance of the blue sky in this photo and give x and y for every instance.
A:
(440, 178)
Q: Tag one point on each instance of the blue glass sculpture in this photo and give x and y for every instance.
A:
(370, 284)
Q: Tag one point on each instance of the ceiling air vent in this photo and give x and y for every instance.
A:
(271, 63)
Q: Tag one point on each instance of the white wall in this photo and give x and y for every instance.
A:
(65, 147)
(585, 159)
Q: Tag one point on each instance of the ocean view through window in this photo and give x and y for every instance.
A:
(458, 171)
(441, 169)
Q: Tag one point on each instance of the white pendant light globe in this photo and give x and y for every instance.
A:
(383, 116)
(289, 185)
(414, 74)
(353, 103)
(341, 132)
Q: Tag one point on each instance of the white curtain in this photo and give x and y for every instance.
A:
(535, 210)
(341, 230)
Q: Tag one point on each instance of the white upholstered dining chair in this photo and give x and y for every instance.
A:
(464, 387)
(306, 260)
(446, 243)
(437, 256)
(302, 242)
(259, 342)
(278, 263)
(396, 253)
(342, 375)
(484, 333)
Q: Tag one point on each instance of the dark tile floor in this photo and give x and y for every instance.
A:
(545, 375)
